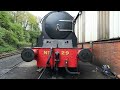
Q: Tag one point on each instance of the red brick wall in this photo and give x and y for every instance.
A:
(106, 53)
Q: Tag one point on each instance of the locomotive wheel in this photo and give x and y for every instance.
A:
(85, 55)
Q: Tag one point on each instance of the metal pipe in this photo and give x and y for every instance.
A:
(66, 65)
(51, 50)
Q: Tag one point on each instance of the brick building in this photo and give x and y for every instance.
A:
(102, 28)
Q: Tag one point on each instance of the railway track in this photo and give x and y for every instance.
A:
(47, 73)
(44, 73)
(5, 55)
(14, 66)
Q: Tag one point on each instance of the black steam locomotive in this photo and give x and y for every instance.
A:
(57, 45)
(59, 26)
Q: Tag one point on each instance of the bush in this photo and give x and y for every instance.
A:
(13, 33)
(27, 36)
(33, 36)
(5, 19)
(23, 44)
(6, 48)
(2, 34)
(18, 31)
(10, 39)
(2, 43)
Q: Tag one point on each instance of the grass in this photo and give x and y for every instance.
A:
(6, 48)
(9, 48)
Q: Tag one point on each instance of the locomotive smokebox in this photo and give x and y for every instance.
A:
(54, 21)
(27, 55)
(85, 55)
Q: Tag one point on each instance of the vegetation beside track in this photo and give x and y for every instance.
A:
(18, 29)
(10, 53)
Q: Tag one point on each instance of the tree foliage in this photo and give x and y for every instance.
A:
(5, 19)
(17, 29)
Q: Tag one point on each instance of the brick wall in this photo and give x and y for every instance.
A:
(106, 52)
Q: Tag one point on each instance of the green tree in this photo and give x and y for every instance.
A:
(17, 29)
(33, 36)
(5, 19)
(27, 36)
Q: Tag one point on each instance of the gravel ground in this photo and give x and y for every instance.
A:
(87, 71)
(27, 70)
(9, 62)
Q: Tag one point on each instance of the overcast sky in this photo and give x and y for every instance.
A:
(43, 13)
